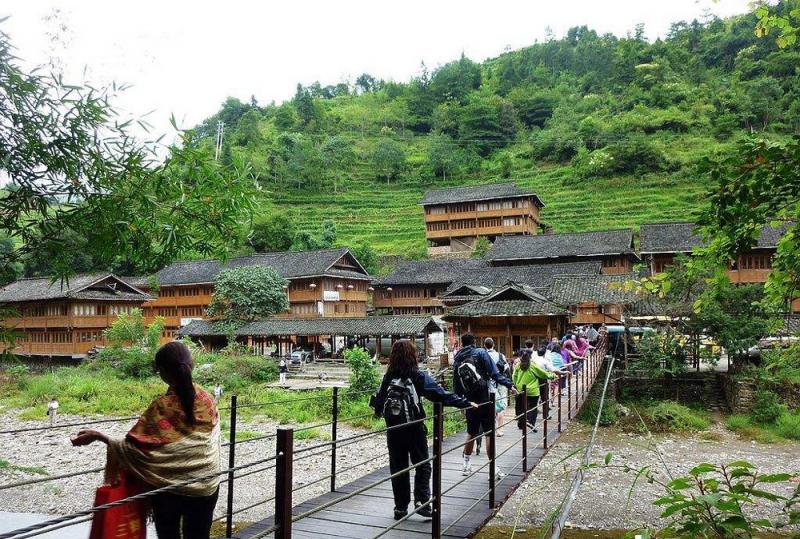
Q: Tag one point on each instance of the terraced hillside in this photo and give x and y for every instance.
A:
(607, 130)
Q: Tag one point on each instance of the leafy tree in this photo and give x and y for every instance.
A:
(247, 130)
(305, 241)
(67, 248)
(389, 158)
(337, 157)
(455, 80)
(328, 236)
(481, 247)
(8, 272)
(487, 122)
(366, 255)
(784, 20)
(533, 108)
(75, 167)
(276, 233)
(750, 188)
(285, 117)
(366, 83)
(129, 329)
(444, 156)
(309, 114)
(248, 293)
(364, 375)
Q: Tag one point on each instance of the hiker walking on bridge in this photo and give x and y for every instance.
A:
(398, 401)
(474, 377)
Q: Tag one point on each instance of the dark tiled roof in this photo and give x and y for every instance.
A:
(79, 286)
(604, 242)
(601, 289)
(433, 271)
(458, 272)
(473, 193)
(510, 300)
(289, 265)
(681, 238)
(532, 275)
(370, 325)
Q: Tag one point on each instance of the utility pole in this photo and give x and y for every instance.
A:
(220, 133)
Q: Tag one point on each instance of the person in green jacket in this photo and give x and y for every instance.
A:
(529, 375)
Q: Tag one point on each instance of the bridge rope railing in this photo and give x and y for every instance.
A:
(287, 456)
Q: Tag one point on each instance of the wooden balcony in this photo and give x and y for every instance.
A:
(53, 349)
(406, 302)
(487, 214)
(304, 296)
(479, 231)
(743, 276)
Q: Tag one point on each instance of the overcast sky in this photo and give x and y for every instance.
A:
(185, 57)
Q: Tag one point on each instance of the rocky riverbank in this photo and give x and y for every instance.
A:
(33, 455)
(603, 502)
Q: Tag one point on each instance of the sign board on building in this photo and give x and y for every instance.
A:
(330, 295)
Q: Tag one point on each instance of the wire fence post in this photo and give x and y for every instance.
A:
(231, 464)
(559, 403)
(284, 451)
(569, 394)
(492, 452)
(334, 421)
(545, 413)
(524, 428)
(438, 433)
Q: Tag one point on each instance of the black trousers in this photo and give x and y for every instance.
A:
(173, 513)
(409, 443)
(544, 392)
(531, 413)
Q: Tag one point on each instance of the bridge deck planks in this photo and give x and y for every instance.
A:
(366, 515)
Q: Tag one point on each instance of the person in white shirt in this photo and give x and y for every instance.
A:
(52, 410)
(501, 403)
(217, 392)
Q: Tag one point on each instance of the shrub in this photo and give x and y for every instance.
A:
(788, 426)
(595, 164)
(131, 362)
(234, 372)
(364, 375)
(738, 422)
(669, 416)
(636, 154)
(767, 408)
(609, 415)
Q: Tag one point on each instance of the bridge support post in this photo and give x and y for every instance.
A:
(492, 454)
(284, 451)
(231, 464)
(334, 422)
(569, 395)
(438, 433)
(559, 404)
(545, 413)
(524, 429)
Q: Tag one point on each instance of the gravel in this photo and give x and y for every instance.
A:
(51, 450)
(602, 501)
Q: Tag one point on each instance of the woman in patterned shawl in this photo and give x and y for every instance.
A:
(175, 440)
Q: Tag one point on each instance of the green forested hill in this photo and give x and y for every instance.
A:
(607, 131)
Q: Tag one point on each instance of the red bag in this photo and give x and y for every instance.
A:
(126, 521)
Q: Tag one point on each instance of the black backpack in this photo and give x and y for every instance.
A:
(470, 374)
(402, 402)
(502, 364)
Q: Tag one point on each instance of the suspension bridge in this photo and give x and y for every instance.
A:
(362, 508)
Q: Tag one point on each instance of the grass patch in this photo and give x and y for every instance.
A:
(6, 465)
(664, 416)
(785, 428)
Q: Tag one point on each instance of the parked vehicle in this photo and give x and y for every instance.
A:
(299, 356)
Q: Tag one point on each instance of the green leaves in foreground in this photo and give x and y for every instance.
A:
(718, 501)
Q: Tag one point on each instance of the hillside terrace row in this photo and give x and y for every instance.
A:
(527, 286)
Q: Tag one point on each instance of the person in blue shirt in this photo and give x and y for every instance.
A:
(481, 419)
(411, 441)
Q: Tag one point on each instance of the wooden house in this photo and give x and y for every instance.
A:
(612, 248)
(594, 299)
(660, 243)
(66, 319)
(511, 315)
(327, 283)
(456, 217)
(429, 286)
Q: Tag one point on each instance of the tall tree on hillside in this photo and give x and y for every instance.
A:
(74, 166)
(488, 122)
(455, 80)
(275, 233)
(337, 158)
(366, 83)
(389, 158)
(309, 114)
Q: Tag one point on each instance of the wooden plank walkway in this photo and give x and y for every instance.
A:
(368, 514)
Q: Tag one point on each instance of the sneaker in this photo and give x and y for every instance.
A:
(426, 512)
(467, 470)
(498, 475)
(398, 514)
